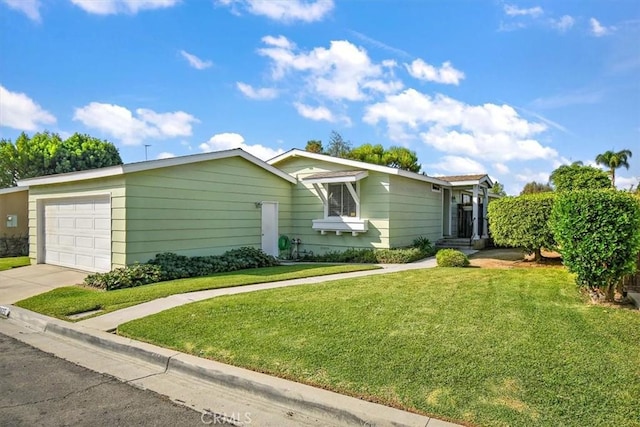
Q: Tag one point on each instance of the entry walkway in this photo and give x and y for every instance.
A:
(110, 321)
(23, 282)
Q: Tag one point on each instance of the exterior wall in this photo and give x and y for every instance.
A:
(307, 206)
(415, 211)
(201, 209)
(113, 186)
(15, 203)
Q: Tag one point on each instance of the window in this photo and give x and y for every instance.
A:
(341, 201)
(435, 188)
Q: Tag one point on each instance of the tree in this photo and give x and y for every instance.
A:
(338, 147)
(395, 157)
(577, 177)
(498, 189)
(614, 160)
(314, 146)
(523, 222)
(534, 187)
(598, 235)
(369, 153)
(46, 154)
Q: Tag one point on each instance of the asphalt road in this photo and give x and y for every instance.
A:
(37, 388)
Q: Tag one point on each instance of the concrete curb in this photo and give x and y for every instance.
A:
(343, 409)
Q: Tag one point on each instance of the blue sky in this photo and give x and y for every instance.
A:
(513, 89)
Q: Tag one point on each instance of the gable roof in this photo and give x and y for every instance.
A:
(458, 180)
(356, 164)
(10, 190)
(154, 164)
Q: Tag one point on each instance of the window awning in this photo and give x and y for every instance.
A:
(339, 176)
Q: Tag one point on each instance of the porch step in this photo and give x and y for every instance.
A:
(454, 243)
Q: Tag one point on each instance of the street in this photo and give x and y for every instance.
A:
(37, 388)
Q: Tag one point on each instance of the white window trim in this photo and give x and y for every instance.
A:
(354, 193)
(340, 224)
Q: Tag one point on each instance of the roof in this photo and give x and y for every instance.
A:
(356, 164)
(10, 190)
(460, 180)
(338, 176)
(154, 164)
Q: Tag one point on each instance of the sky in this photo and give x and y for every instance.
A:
(509, 88)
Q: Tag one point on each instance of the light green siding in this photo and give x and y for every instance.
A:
(307, 206)
(201, 208)
(415, 210)
(113, 186)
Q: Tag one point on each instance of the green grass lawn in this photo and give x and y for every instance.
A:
(483, 347)
(13, 262)
(69, 300)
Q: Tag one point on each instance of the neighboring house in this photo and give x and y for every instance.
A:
(14, 221)
(204, 204)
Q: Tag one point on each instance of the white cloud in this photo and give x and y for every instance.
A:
(624, 183)
(458, 165)
(599, 30)
(196, 62)
(121, 123)
(230, 140)
(533, 12)
(165, 155)
(489, 131)
(20, 112)
(564, 23)
(501, 168)
(529, 176)
(31, 8)
(286, 11)
(263, 93)
(446, 74)
(341, 72)
(112, 7)
(314, 113)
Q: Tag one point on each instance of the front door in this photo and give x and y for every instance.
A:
(270, 228)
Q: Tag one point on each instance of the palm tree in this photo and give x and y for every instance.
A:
(613, 161)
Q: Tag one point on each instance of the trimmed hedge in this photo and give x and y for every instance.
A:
(523, 222)
(420, 249)
(451, 258)
(598, 234)
(170, 266)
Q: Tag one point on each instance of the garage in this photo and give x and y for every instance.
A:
(77, 233)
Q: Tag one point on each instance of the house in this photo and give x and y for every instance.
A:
(204, 204)
(340, 203)
(14, 220)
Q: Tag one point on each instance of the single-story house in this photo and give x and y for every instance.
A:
(204, 204)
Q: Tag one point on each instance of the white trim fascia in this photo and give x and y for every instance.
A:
(10, 190)
(337, 179)
(358, 165)
(154, 164)
(73, 195)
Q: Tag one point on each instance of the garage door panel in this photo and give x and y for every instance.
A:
(78, 233)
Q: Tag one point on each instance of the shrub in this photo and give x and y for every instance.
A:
(523, 222)
(374, 256)
(423, 243)
(598, 234)
(126, 277)
(451, 258)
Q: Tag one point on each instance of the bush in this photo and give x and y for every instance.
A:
(523, 222)
(374, 256)
(126, 277)
(598, 234)
(451, 258)
(170, 266)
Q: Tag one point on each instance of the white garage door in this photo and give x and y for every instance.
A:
(77, 233)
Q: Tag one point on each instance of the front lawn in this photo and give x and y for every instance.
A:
(494, 347)
(63, 302)
(13, 262)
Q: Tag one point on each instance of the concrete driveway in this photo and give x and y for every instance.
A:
(23, 282)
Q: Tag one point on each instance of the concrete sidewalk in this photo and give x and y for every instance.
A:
(202, 384)
(110, 321)
(23, 282)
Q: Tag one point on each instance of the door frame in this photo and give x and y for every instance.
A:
(269, 244)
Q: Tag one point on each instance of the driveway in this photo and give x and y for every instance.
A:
(23, 282)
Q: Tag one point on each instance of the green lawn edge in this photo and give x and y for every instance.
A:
(488, 347)
(69, 300)
(14, 262)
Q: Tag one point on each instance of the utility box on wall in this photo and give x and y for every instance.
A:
(12, 221)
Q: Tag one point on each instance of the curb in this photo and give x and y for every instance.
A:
(345, 410)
